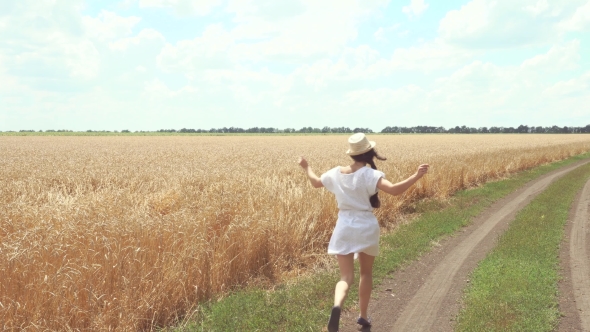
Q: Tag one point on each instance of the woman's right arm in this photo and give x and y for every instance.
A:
(400, 187)
(316, 182)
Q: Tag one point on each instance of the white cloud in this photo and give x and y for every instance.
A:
(354, 65)
(559, 58)
(108, 25)
(317, 29)
(157, 89)
(485, 94)
(538, 8)
(82, 59)
(579, 21)
(145, 35)
(515, 92)
(415, 8)
(182, 7)
(495, 24)
(8, 83)
(266, 31)
(290, 64)
(210, 51)
(469, 20)
(268, 10)
(383, 99)
(380, 34)
(42, 42)
(429, 56)
(576, 86)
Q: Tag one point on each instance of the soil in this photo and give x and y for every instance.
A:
(425, 295)
(574, 286)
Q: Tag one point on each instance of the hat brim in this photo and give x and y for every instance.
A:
(356, 153)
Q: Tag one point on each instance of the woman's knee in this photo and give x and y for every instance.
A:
(366, 275)
(366, 264)
(348, 278)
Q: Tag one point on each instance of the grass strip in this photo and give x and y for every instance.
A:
(515, 287)
(304, 305)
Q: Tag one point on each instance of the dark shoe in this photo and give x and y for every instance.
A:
(363, 322)
(334, 321)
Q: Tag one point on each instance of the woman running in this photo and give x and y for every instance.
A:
(357, 230)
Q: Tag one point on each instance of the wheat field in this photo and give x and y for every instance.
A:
(131, 233)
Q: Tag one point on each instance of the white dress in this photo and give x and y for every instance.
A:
(357, 229)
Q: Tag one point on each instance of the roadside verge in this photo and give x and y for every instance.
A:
(515, 288)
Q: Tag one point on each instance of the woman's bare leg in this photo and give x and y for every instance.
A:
(365, 282)
(346, 264)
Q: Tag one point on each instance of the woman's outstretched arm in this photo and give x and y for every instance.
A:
(314, 179)
(400, 187)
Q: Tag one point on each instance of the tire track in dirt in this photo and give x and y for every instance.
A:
(575, 265)
(425, 295)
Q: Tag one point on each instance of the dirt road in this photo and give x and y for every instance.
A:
(424, 296)
(575, 265)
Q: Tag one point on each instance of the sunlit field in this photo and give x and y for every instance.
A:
(130, 233)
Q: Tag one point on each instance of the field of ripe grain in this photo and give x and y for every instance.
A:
(129, 233)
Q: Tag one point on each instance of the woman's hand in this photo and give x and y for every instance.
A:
(316, 182)
(303, 162)
(422, 169)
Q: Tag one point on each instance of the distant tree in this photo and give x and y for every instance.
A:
(522, 129)
(362, 130)
(389, 129)
(185, 130)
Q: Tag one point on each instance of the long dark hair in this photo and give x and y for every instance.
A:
(368, 157)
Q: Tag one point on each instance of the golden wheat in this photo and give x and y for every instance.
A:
(129, 233)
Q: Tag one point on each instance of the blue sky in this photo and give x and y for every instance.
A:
(156, 64)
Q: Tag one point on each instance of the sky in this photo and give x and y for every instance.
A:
(172, 64)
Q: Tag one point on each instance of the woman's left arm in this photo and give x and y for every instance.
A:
(400, 187)
(314, 179)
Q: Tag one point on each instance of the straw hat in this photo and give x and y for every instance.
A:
(359, 144)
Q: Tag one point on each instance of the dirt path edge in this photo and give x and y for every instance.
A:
(574, 286)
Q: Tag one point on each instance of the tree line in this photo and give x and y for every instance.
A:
(304, 130)
(522, 129)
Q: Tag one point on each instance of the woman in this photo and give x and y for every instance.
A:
(357, 230)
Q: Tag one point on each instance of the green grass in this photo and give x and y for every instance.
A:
(515, 287)
(304, 305)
